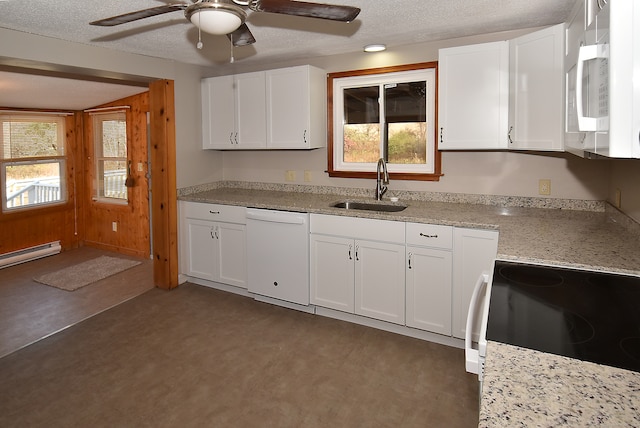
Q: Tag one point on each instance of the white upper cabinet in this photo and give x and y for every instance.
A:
(233, 112)
(275, 109)
(503, 95)
(296, 108)
(536, 90)
(473, 97)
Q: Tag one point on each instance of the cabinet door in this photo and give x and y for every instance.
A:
(296, 108)
(536, 90)
(288, 108)
(200, 246)
(474, 251)
(231, 257)
(218, 113)
(250, 115)
(332, 264)
(428, 300)
(473, 97)
(380, 281)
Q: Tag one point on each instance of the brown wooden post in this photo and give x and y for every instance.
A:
(163, 184)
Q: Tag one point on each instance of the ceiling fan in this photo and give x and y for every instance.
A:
(228, 16)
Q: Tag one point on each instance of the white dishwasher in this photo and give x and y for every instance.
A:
(278, 254)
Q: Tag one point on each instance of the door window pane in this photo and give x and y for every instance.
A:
(110, 142)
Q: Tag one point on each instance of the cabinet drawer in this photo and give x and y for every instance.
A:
(430, 235)
(214, 212)
(358, 228)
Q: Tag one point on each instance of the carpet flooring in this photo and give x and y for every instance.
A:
(198, 357)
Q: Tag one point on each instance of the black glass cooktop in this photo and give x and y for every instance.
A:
(591, 316)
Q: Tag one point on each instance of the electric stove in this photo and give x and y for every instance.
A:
(591, 316)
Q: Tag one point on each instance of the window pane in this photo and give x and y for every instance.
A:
(114, 138)
(33, 183)
(31, 138)
(113, 175)
(405, 113)
(361, 130)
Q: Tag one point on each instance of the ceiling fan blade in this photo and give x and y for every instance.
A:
(140, 14)
(311, 10)
(242, 36)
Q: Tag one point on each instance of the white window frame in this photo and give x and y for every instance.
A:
(98, 186)
(60, 159)
(427, 75)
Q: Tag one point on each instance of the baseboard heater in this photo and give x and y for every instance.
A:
(28, 254)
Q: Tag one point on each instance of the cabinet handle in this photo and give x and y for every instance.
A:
(428, 236)
(441, 132)
(350, 247)
(211, 233)
(214, 212)
(236, 138)
(357, 256)
(231, 137)
(509, 135)
(410, 255)
(304, 136)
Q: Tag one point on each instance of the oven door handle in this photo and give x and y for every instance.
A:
(472, 358)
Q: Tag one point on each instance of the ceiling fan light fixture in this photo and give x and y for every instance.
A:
(214, 17)
(377, 47)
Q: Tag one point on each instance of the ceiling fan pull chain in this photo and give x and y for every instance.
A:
(232, 58)
(199, 44)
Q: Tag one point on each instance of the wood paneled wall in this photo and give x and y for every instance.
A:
(133, 229)
(27, 228)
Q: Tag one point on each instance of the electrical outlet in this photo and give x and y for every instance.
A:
(544, 186)
(114, 226)
(290, 175)
(307, 176)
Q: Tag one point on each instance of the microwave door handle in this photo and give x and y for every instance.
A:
(587, 53)
(472, 359)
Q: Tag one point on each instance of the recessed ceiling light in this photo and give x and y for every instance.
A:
(375, 48)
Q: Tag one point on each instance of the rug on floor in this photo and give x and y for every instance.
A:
(77, 276)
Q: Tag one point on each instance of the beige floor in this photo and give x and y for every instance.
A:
(30, 311)
(198, 357)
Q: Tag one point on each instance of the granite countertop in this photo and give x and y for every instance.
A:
(525, 388)
(521, 387)
(603, 240)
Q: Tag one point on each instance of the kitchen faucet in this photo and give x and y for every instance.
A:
(381, 182)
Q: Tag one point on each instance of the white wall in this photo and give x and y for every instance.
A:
(193, 164)
(480, 172)
(625, 177)
(496, 173)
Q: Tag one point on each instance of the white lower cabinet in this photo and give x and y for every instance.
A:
(475, 251)
(379, 280)
(214, 250)
(429, 272)
(332, 272)
(360, 276)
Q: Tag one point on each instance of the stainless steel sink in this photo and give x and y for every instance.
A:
(369, 206)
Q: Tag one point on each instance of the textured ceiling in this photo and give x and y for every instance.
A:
(279, 37)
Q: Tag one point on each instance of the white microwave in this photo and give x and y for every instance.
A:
(603, 85)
